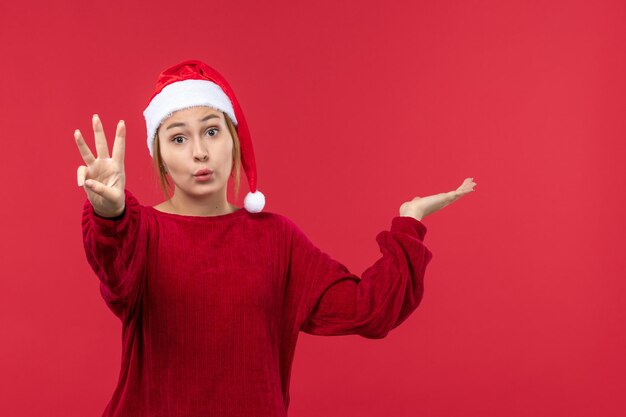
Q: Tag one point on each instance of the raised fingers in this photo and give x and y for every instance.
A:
(80, 175)
(467, 186)
(101, 143)
(85, 152)
(119, 145)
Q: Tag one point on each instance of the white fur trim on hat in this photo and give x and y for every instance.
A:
(181, 95)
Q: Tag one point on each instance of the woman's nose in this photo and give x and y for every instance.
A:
(199, 151)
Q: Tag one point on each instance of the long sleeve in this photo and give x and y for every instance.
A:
(338, 302)
(116, 249)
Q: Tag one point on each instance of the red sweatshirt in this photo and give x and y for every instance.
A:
(211, 307)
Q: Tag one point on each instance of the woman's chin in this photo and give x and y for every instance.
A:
(199, 189)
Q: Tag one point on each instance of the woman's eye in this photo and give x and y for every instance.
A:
(213, 129)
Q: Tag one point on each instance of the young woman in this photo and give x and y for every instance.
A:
(212, 297)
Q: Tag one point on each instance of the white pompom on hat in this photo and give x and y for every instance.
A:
(193, 83)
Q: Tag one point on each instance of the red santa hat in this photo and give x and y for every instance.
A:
(193, 83)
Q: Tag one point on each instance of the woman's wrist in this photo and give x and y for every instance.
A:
(109, 216)
(416, 216)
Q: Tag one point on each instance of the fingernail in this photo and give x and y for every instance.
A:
(95, 116)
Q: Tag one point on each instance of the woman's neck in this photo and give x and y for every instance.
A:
(215, 205)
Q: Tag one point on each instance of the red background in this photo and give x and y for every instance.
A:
(354, 108)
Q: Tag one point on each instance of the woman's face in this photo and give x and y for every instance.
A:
(192, 139)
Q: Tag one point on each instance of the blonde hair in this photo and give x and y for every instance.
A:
(235, 173)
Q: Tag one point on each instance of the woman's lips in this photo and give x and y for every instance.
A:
(203, 174)
(204, 177)
(203, 171)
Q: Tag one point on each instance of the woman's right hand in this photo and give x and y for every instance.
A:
(103, 178)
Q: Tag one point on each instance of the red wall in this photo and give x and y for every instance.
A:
(354, 108)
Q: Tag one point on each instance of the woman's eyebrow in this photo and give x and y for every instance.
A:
(180, 124)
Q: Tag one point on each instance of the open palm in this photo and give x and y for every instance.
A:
(420, 207)
(103, 177)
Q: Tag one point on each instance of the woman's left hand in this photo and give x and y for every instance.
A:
(420, 207)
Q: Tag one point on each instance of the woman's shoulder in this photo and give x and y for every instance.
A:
(282, 222)
(270, 217)
(162, 207)
(278, 222)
